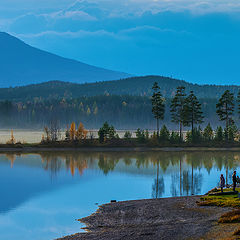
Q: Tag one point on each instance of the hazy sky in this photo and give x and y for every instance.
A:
(197, 41)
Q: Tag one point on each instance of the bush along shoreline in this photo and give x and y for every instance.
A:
(108, 138)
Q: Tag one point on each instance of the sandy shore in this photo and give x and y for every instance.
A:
(169, 218)
(36, 149)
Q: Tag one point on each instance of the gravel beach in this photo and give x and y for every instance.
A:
(169, 218)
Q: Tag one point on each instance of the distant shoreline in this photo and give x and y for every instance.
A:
(36, 149)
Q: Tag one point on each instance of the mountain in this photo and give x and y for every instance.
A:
(135, 86)
(21, 64)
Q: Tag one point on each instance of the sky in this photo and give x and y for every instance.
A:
(196, 41)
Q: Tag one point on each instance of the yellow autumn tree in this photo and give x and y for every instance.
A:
(81, 132)
(72, 131)
(12, 139)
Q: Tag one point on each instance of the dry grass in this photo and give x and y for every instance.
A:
(237, 232)
(230, 217)
(220, 201)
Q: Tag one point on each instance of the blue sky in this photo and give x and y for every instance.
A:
(197, 41)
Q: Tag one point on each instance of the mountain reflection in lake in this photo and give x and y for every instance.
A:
(43, 194)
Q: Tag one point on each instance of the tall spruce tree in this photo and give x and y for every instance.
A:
(192, 111)
(225, 108)
(158, 105)
(177, 108)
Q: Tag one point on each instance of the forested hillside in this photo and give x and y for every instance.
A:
(125, 103)
(124, 112)
(135, 86)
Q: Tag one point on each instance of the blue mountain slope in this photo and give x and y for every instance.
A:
(21, 64)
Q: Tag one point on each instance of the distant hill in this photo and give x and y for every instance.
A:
(136, 86)
(21, 64)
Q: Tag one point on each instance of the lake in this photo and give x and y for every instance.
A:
(42, 195)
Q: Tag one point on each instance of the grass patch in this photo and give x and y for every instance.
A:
(231, 200)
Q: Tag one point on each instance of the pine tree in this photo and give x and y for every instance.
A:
(219, 134)
(225, 108)
(158, 106)
(106, 132)
(192, 111)
(208, 133)
(164, 134)
(177, 108)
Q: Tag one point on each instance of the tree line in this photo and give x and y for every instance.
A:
(186, 110)
(124, 112)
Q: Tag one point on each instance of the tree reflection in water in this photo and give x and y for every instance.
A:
(184, 169)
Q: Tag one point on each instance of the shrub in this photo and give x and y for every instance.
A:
(106, 132)
(127, 135)
(146, 135)
(140, 135)
(175, 137)
(195, 136)
(232, 133)
(154, 138)
(164, 134)
(208, 133)
(219, 134)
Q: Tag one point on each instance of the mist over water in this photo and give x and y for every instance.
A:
(42, 195)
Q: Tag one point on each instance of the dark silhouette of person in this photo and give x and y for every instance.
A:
(234, 180)
(222, 182)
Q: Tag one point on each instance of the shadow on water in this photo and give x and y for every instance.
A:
(180, 174)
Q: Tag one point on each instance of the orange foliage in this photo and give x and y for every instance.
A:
(72, 131)
(81, 132)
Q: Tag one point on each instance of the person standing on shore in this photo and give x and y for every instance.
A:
(222, 182)
(234, 180)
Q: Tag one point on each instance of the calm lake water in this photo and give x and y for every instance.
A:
(43, 194)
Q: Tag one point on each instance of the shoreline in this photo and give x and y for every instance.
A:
(36, 149)
(163, 218)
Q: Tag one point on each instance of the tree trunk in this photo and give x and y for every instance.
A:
(227, 121)
(181, 137)
(157, 127)
(192, 128)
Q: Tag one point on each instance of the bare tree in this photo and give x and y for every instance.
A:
(55, 131)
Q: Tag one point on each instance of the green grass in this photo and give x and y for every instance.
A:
(222, 200)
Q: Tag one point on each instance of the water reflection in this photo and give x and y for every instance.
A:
(73, 182)
(184, 168)
(107, 162)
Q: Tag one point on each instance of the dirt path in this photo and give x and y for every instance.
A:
(170, 218)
